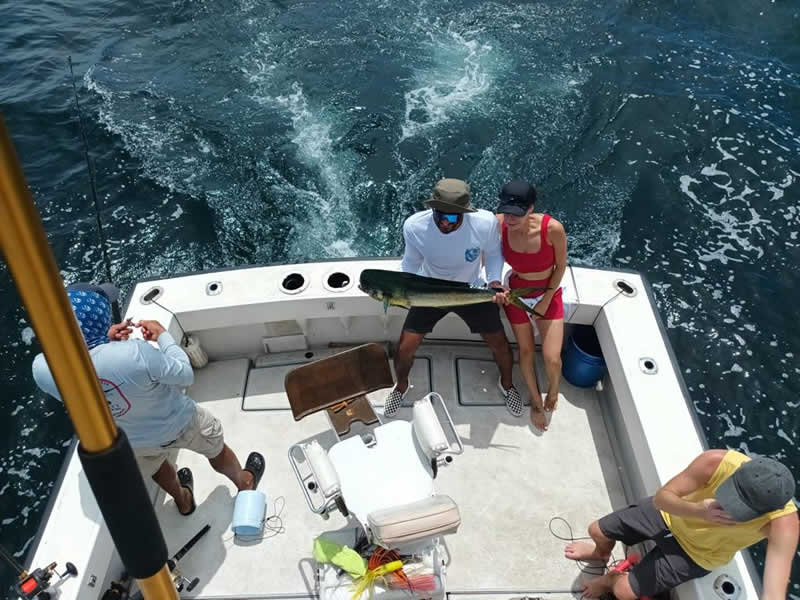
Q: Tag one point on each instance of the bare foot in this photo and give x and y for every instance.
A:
(596, 587)
(583, 551)
(551, 403)
(538, 419)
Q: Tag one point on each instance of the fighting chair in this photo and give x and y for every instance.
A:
(383, 476)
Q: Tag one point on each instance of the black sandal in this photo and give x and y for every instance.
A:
(255, 464)
(186, 479)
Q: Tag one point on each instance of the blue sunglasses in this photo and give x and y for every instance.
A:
(451, 218)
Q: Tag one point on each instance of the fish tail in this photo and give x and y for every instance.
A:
(515, 295)
(520, 304)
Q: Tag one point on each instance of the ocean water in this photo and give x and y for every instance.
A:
(664, 135)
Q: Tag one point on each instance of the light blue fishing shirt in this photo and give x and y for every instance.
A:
(143, 386)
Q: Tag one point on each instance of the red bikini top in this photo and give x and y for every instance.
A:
(530, 262)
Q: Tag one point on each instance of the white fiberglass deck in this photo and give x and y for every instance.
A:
(508, 483)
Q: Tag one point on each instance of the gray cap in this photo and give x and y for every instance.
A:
(108, 290)
(756, 488)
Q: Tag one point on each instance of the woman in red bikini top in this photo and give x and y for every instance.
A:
(535, 246)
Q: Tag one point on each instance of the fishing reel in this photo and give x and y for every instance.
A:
(34, 585)
(181, 581)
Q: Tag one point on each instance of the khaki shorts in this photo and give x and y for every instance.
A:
(203, 435)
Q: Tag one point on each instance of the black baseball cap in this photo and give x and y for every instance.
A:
(516, 197)
(108, 290)
(756, 488)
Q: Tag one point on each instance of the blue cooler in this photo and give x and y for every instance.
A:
(583, 364)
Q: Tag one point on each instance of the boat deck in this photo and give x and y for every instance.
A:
(509, 483)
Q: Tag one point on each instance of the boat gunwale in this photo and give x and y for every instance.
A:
(648, 290)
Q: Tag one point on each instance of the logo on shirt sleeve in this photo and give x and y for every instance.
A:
(470, 254)
(117, 401)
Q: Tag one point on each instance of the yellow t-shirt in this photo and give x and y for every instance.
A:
(711, 545)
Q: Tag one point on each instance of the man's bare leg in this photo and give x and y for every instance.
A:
(167, 479)
(404, 357)
(600, 550)
(502, 356)
(613, 582)
(227, 464)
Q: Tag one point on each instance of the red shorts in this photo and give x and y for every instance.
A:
(517, 316)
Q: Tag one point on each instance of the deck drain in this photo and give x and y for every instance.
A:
(625, 288)
(154, 293)
(648, 365)
(214, 288)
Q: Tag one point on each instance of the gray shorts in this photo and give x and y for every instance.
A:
(665, 566)
(203, 435)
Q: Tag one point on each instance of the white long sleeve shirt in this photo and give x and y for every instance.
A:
(143, 386)
(454, 256)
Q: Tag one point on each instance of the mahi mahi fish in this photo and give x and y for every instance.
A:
(396, 288)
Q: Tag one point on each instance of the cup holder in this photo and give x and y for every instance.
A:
(337, 281)
(294, 283)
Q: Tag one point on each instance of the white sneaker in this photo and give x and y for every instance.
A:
(394, 401)
(512, 398)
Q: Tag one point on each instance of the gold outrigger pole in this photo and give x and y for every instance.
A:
(104, 450)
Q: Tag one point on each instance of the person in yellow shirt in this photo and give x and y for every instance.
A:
(721, 503)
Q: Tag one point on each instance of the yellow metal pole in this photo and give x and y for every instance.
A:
(39, 283)
(159, 586)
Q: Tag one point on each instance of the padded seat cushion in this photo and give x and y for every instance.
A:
(415, 521)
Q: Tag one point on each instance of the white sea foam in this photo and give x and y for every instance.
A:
(457, 79)
(314, 142)
(27, 336)
(258, 67)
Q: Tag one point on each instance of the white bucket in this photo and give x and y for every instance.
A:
(248, 513)
(197, 356)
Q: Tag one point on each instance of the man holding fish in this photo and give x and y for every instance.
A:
(447, 241)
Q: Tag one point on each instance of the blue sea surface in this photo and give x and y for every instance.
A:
(664, 135)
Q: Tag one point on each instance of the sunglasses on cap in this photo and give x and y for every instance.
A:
(451, 218)
(514, 200)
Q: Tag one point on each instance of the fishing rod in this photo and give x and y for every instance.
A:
(104, 451)
(33, 585)
(151, 297)
(93, 187)
(178, 577)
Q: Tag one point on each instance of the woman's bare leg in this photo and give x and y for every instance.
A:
(552, 341)
(527, 354)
